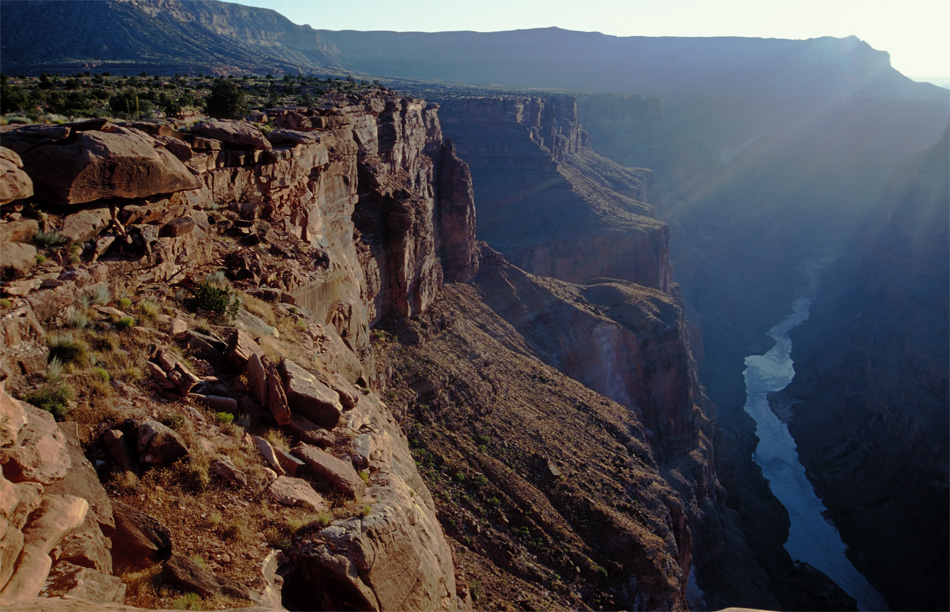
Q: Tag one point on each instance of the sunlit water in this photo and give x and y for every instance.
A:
(811, 538)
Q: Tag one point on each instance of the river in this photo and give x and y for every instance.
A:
(812, 538)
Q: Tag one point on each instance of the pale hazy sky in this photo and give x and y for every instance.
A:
(915, 32)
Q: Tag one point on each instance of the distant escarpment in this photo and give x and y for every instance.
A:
(196, 306)
(547, 201)
(869, 400)
(164, 36)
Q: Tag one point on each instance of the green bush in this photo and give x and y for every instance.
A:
(224, 418)
(218, 300)
(53, 399)
(48, 239)
(124, 323)
(226, 100)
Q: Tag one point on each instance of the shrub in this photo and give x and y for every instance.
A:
(221, 301)
(40, 259)
(188, 601)
(124, 323)
(67, 348)
(53, 399)
(48, 239)
(174, 421)
(98, 294)
(324, 519)
(125, 303)
(364, 475)
(226, 100)
(149, 310)
(225, 418)
(5, 303)
(77, 318)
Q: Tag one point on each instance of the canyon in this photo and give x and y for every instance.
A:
(533, 307)
(351, 227)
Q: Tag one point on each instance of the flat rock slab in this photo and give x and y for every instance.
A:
(309, 397)
(338, 472)
(140, 540)
(296, 492)
(77, 581)
(82, 225)
(186, 575)
(117, 162)
(16, 259)
(233, 132)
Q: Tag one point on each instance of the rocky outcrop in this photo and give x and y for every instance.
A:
(76, 166)
(54, 512)
(392, 557)
(331, 228)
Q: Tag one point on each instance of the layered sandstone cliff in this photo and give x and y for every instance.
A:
(547, 201)
(335, 222)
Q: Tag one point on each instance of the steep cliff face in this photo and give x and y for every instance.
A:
(337, 223)
(378, 196)
(550, 204)
(548, 490)
(605, 315)
(869, 400)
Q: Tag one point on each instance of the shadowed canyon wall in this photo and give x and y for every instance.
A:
(869, 401)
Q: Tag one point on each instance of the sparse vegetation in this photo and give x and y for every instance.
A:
(48, 239)
(220, 301)
(67, 347)
(124, 323)
(53, 398)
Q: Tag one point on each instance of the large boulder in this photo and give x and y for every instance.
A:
(41, 454)
(82, 480)
(15, 184)
(159, 444)
(309, 397)
(12, 417)
(239, 133)
(16, 259)
(116, 162)
(56, 516)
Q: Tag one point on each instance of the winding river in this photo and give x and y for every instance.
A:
(812, 538)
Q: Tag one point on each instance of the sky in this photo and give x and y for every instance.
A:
(914, 32)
